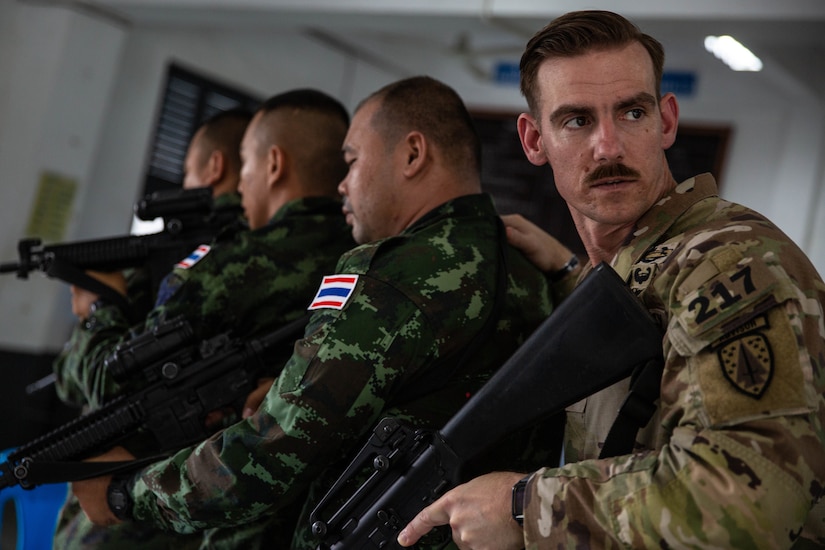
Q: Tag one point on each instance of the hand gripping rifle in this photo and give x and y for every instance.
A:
(596, 337)
(183, 382)
(189, 219)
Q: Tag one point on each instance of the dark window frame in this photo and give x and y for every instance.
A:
(189, 98)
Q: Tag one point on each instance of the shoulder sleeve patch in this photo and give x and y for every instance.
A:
(723, 303)
(747, 360)
(334, 292)
(753, 372)
(197, 255)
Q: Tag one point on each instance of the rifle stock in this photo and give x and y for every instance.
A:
(595, 338)
(184, 383)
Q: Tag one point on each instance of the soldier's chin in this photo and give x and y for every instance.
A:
(358, 236)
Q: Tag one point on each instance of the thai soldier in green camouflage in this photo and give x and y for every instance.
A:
(212, 160)
(389, 328)
(735, 454)
(251, 282)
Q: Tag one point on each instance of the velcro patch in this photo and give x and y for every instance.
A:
(753, 371)
(722, 304)
(334, 292)
(193, 258)
(747, 362)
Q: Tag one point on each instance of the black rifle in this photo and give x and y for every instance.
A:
(598, 336)
(189, 219)
(183, 382)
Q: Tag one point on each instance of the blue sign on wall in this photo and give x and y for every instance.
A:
(506, 72)
(680, 83)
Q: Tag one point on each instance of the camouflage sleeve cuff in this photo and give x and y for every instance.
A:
(103, 315)
(153, 506)
(144, 506)
(532, 508)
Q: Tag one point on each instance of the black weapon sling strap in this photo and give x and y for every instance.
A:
(65, 271)
(440, 376)
(639, 405)
(636, 410)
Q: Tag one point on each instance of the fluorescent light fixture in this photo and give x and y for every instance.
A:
(732, 53)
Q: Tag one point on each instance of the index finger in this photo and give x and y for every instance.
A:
(432, 516)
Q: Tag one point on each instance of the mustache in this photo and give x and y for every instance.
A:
(615, 170)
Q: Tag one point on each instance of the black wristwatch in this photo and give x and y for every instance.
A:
(560, 274)
(518, 499)
(119, 499)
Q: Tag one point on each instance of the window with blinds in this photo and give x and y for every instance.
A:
(188, 100)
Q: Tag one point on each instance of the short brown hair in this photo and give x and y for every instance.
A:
(576, 33)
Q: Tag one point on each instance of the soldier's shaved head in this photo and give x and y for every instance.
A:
(311, 126)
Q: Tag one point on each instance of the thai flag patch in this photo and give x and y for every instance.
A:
(334, 292)
(193, 258)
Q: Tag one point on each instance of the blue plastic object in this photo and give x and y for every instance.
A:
(35, 512)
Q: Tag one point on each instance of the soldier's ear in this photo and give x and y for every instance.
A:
(415, 150)
(669, 108)
(215, 167)
(530, 136)
(275, 165)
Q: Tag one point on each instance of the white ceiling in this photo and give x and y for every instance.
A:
(787, 32)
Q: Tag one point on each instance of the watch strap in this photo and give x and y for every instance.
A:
(567, 268)
(519, 490)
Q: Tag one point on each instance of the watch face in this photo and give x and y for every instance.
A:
(119, 500)
(519, 490)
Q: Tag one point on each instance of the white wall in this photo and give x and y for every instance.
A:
(81, 95)
(58, 69)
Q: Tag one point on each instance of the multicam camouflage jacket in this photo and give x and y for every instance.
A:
(393, 312)
(735, 455)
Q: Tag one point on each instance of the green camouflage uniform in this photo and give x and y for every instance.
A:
(419, 299)
(251, 282)
(735, 455)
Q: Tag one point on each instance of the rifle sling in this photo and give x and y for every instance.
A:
(636, 410)
(67, 272)
(39, 473)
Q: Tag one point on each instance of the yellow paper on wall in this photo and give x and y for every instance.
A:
(52, 207)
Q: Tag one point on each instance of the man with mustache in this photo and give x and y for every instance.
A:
(734, 456)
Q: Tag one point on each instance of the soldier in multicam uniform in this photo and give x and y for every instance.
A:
(735, 454)
(388, 332)
(251, 282)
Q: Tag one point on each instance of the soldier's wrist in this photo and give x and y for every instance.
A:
(565, 270)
